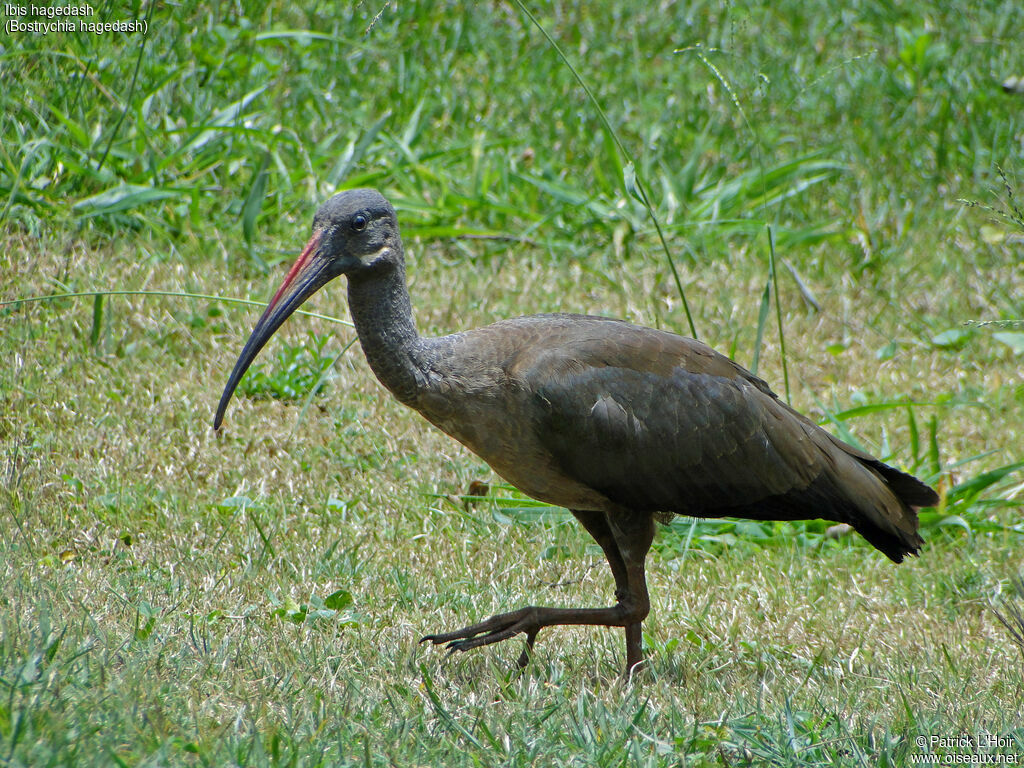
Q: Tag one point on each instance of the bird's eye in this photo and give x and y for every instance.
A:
(359, 222)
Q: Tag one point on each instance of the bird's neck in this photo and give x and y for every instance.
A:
(382, 314)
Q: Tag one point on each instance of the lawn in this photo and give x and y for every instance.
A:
(830, 193)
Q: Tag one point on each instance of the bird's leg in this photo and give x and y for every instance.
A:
(625, 539)
(597, 526)
(633, 534)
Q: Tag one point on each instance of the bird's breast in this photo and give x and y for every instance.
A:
(497, 427)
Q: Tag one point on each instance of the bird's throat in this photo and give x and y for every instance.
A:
(382, 314)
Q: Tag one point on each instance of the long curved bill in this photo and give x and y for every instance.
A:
(309, 273)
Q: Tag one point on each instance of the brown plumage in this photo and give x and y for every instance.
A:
(621, 424)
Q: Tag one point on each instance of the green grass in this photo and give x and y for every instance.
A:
(171, 596)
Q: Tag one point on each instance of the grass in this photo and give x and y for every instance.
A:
(170, 596)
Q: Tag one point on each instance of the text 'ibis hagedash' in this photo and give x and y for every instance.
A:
(621, 424)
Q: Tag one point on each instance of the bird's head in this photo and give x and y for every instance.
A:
(355, 233)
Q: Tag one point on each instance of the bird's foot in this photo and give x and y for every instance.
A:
(493, 630)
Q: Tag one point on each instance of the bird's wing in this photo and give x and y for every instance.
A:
(659, 422)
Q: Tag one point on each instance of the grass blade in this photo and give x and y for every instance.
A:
(254, 200)
(778, 312)
(356, 151)
(124, 197)
(762, 318)
(97, 319)
(175, 294)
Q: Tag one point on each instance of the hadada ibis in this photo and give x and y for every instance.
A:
(623, 425)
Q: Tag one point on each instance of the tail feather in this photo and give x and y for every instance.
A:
(894, 544)
(889, 520)
(907, 487)
(885, 502)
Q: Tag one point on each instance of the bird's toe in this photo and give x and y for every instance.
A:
(492, 630)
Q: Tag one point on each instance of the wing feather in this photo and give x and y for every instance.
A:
(658, 422)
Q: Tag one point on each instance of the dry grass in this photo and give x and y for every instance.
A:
(116, 538)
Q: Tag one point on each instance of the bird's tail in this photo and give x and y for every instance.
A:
(887, 503)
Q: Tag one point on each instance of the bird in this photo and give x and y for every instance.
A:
(625, 426)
